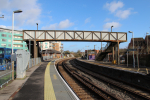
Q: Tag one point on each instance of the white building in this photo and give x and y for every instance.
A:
(56, 45)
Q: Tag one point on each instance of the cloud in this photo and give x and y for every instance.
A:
(10, 27)
(108, 25)
(92, 26)
(2, 26)
(123, 13)
(113, 6)
(31, 11)
(87, 20)
(63, 24)
(107, 19)
(52, 27)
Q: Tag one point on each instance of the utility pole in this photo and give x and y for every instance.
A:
(87, 52)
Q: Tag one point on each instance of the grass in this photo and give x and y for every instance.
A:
(6, 78)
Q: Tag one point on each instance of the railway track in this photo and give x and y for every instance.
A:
(102, 87)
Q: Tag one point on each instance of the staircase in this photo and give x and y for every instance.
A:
(108, 49)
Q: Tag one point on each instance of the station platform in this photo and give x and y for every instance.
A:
(44, 83)
(141, 69)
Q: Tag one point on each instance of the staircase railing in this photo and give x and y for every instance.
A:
(106, 46)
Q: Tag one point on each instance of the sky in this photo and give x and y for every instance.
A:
(88, 15)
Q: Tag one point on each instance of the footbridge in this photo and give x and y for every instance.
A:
(114, 38)
(67, 35)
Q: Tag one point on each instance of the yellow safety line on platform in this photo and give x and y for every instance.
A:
(48, 87)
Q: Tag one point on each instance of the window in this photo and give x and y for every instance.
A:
(9, 40)
(45, 46)
(25, 45)
(19, 37)
(9, 36)
(3, 45)
(9, 45)
(18, 41)
(1, 51)
(4, 40)
(3, 35)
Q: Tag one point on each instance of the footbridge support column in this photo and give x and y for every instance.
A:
(35, 49)
(118, 53)
(113, 53)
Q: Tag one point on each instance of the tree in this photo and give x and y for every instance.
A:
(67, 52)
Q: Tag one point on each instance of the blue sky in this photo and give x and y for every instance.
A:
(91, 15)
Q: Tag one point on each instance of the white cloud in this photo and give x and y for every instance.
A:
(107, 19)
(114, 24)
(31, 10)
(52, 27)
(10, 27)
(2, 26)
(87, 20)
(123, 14)
(63, 24)
(113, 6)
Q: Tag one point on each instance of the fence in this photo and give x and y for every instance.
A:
(47, 57)
(6, 75)
(33, 62)
(144, 59)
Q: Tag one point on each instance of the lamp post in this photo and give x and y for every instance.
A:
(2, 16)
(147, 42)
(87, 52)
(37, 25)
(17, 11)
(133, 48)
(111, 28)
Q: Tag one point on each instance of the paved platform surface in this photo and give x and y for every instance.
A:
(43, 83)
(34, 86)
(11, 88)
(142, 70)
(61, 90)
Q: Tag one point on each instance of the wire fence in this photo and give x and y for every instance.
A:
(47, 57)
(6, 75)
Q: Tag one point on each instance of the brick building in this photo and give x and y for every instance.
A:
(140, 44)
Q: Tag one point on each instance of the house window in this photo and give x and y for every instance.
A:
(3, 35)
(9, 45)
(9, 40)
(9, 36)
(3, 45)
(4, 40)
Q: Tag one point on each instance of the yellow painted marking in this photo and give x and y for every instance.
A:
(48, 87)
(55, 77)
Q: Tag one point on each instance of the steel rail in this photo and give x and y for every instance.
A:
(93, 87)
(116, 83)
